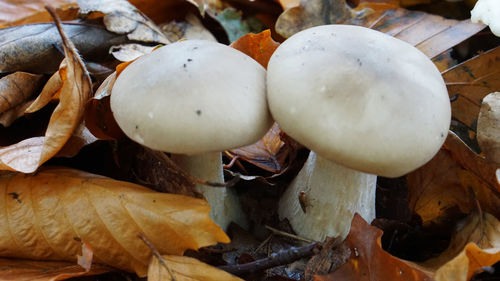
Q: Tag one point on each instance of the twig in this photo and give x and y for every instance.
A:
(230, 183)
(157, 254)
(280, 258)
(286, 234)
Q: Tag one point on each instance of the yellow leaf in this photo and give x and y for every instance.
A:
(75, 92)
(186, 269)
(48, 215)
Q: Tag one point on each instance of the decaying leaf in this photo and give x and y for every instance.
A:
(431, 34)
(36, 48)
(51, 90)
(67, 116)
(191, 28)
(264, 154)
(476, 244)
(259, 46)
(471, 81)
(15, 12)
(121, 17)
(369, 261)
(447, 181)
(488, 127)
(18, 88)
(47, 215)
(185, 269)
(11, 115)
(27, 270)
(235, 26)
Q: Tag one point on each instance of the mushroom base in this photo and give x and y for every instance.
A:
(224, 202)
(322, 200)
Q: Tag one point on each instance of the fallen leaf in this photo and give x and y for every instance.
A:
(476, 244)
(431, 34)
(368, 261)
(190, 28)
(488, 127)
(121, 17)
(447, 181)
(18, 12)
(259, 46)
(264, 154)
(471, 81)
(50, 213)
(85, 259)
(36, 48)
(331, 257)
(67, 116)
(51, 90)
(185, 269)
(26, 270)
(18, 88)
(11, 115)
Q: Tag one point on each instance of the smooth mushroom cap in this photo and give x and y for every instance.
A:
(360, 98)
(192, 97)
(487, 12)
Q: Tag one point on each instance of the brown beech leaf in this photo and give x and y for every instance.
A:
(67, 116)
(51, 90)
(258, 46)
(18, 12)
(27, 270)
(11, 115)
(471, 81)
(369, 261)
(448, 180)
(474, 245)
(46, 217)
(119, 16)
(431, 34)
(17, 88)
(185, 269)
(264, 154)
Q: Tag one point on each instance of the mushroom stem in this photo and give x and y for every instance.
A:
(224, 202)
(322, 199)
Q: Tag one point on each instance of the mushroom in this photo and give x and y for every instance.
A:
(366, 104)
(487, 12)
(195, 99)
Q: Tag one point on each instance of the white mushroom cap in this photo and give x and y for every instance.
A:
(487, 12)
(360, 98)
(192, 97)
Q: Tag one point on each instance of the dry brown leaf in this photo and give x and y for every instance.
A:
(186, 269)
(46, 216)
(18, 12)
(475, 245)
(488, 127)
(448, 180)
(471, 81)
(18, 88)
(26, 270)
(369, 262)
(431, 34)
(85, 259)
(8, 117)
(119, 16)
(67, 116)
(51, 90)
(259, 46)
(264, 154)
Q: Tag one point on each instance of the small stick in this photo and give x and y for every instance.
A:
(230, 183)
(157, 254)
(286, 234)
(280, 258)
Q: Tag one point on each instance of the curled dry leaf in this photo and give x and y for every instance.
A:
(18, 88)
(119, 16)
(369, 262)
(15, 12)
(26, 270)
(67, 116)
(51, 90)
(471, 81)
(185, 269)
(446, 182)
(47, 215)
(476, 244)
(191, 28)
(36, 48)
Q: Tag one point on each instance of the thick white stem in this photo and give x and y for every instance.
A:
(224, 202)
(330, 195)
